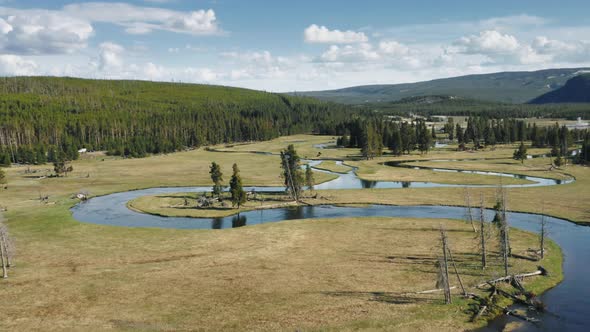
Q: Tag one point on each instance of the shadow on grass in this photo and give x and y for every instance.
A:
(386, 297)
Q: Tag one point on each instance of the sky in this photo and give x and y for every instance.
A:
(290, 45)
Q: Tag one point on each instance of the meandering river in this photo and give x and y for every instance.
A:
(568, 304)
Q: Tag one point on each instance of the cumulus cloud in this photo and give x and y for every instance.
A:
(349, 53)
(393, 48)
(498, 48)
(15, 65)
(321, 34)
(110, 56)
(141, 20)
(261, 64)
(576, 51)
(489, 42)
(42, 32)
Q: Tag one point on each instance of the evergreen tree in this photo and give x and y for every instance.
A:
(459, 132)
(292, 173)
(238, 195)
(450, 128)
(520, 153)
(217, 178)
(60, 165)
(423, 137)
(309, 180)
(5, 158)
(395, 141)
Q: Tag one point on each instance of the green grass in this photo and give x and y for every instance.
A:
(309, 275)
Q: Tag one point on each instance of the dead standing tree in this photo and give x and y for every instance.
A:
(502, 221)
(5, 248)
(443, 280)
(483, 233)
(469, 212)
(543, 232)
(444, 267)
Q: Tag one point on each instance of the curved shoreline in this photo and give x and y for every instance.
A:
(118, 204)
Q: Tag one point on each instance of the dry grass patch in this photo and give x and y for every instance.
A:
(346, 274)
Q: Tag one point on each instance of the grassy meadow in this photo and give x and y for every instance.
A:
(312, 275)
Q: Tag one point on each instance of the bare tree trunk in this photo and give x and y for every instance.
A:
(2, 261)
(445, 266)
(543, 233)
(456, 272)
(482, 233)
(4, 244)
(469, 213)
(504, 239)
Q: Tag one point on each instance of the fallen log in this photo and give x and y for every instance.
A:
(434, 290)
(532, 259)
(540, 271)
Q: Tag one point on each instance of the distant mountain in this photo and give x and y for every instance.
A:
(575, 90)
(505, 87)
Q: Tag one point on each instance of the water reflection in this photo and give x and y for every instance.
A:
(368, 184)
(238, 221)
(217, 223)
(294, 212)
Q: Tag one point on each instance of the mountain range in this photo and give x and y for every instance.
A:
(504, 87)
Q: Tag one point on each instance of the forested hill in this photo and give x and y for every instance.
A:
(39, 114)
(504, 87)
(576, 90)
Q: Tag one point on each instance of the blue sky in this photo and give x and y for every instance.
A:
(290, 45)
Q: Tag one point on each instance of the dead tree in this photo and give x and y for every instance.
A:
(543, 233)
(456, 272)
(445, 267)
(503, 226)
(5, 249)
(482, 233)
(469, 212)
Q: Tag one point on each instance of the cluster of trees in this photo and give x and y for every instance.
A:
(373, 135)
(292, 173)
(584, 156)
(238, 195)
(37, 154)
(133, 118)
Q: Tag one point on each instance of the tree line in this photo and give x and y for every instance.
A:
(374, 134)
(133, 118)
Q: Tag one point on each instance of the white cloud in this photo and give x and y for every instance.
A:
(141, 20)
(349, 53)
(575, 51)
(488, 42)
(321, 34)
(14, 65)
(42, 32)
(393, 48)
(110, 56)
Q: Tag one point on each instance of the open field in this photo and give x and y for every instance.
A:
(312, 275)
(345, 274)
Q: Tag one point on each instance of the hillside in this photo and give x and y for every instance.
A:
(505, 87)
(132, 118)
(575, 90)
(453, 105)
